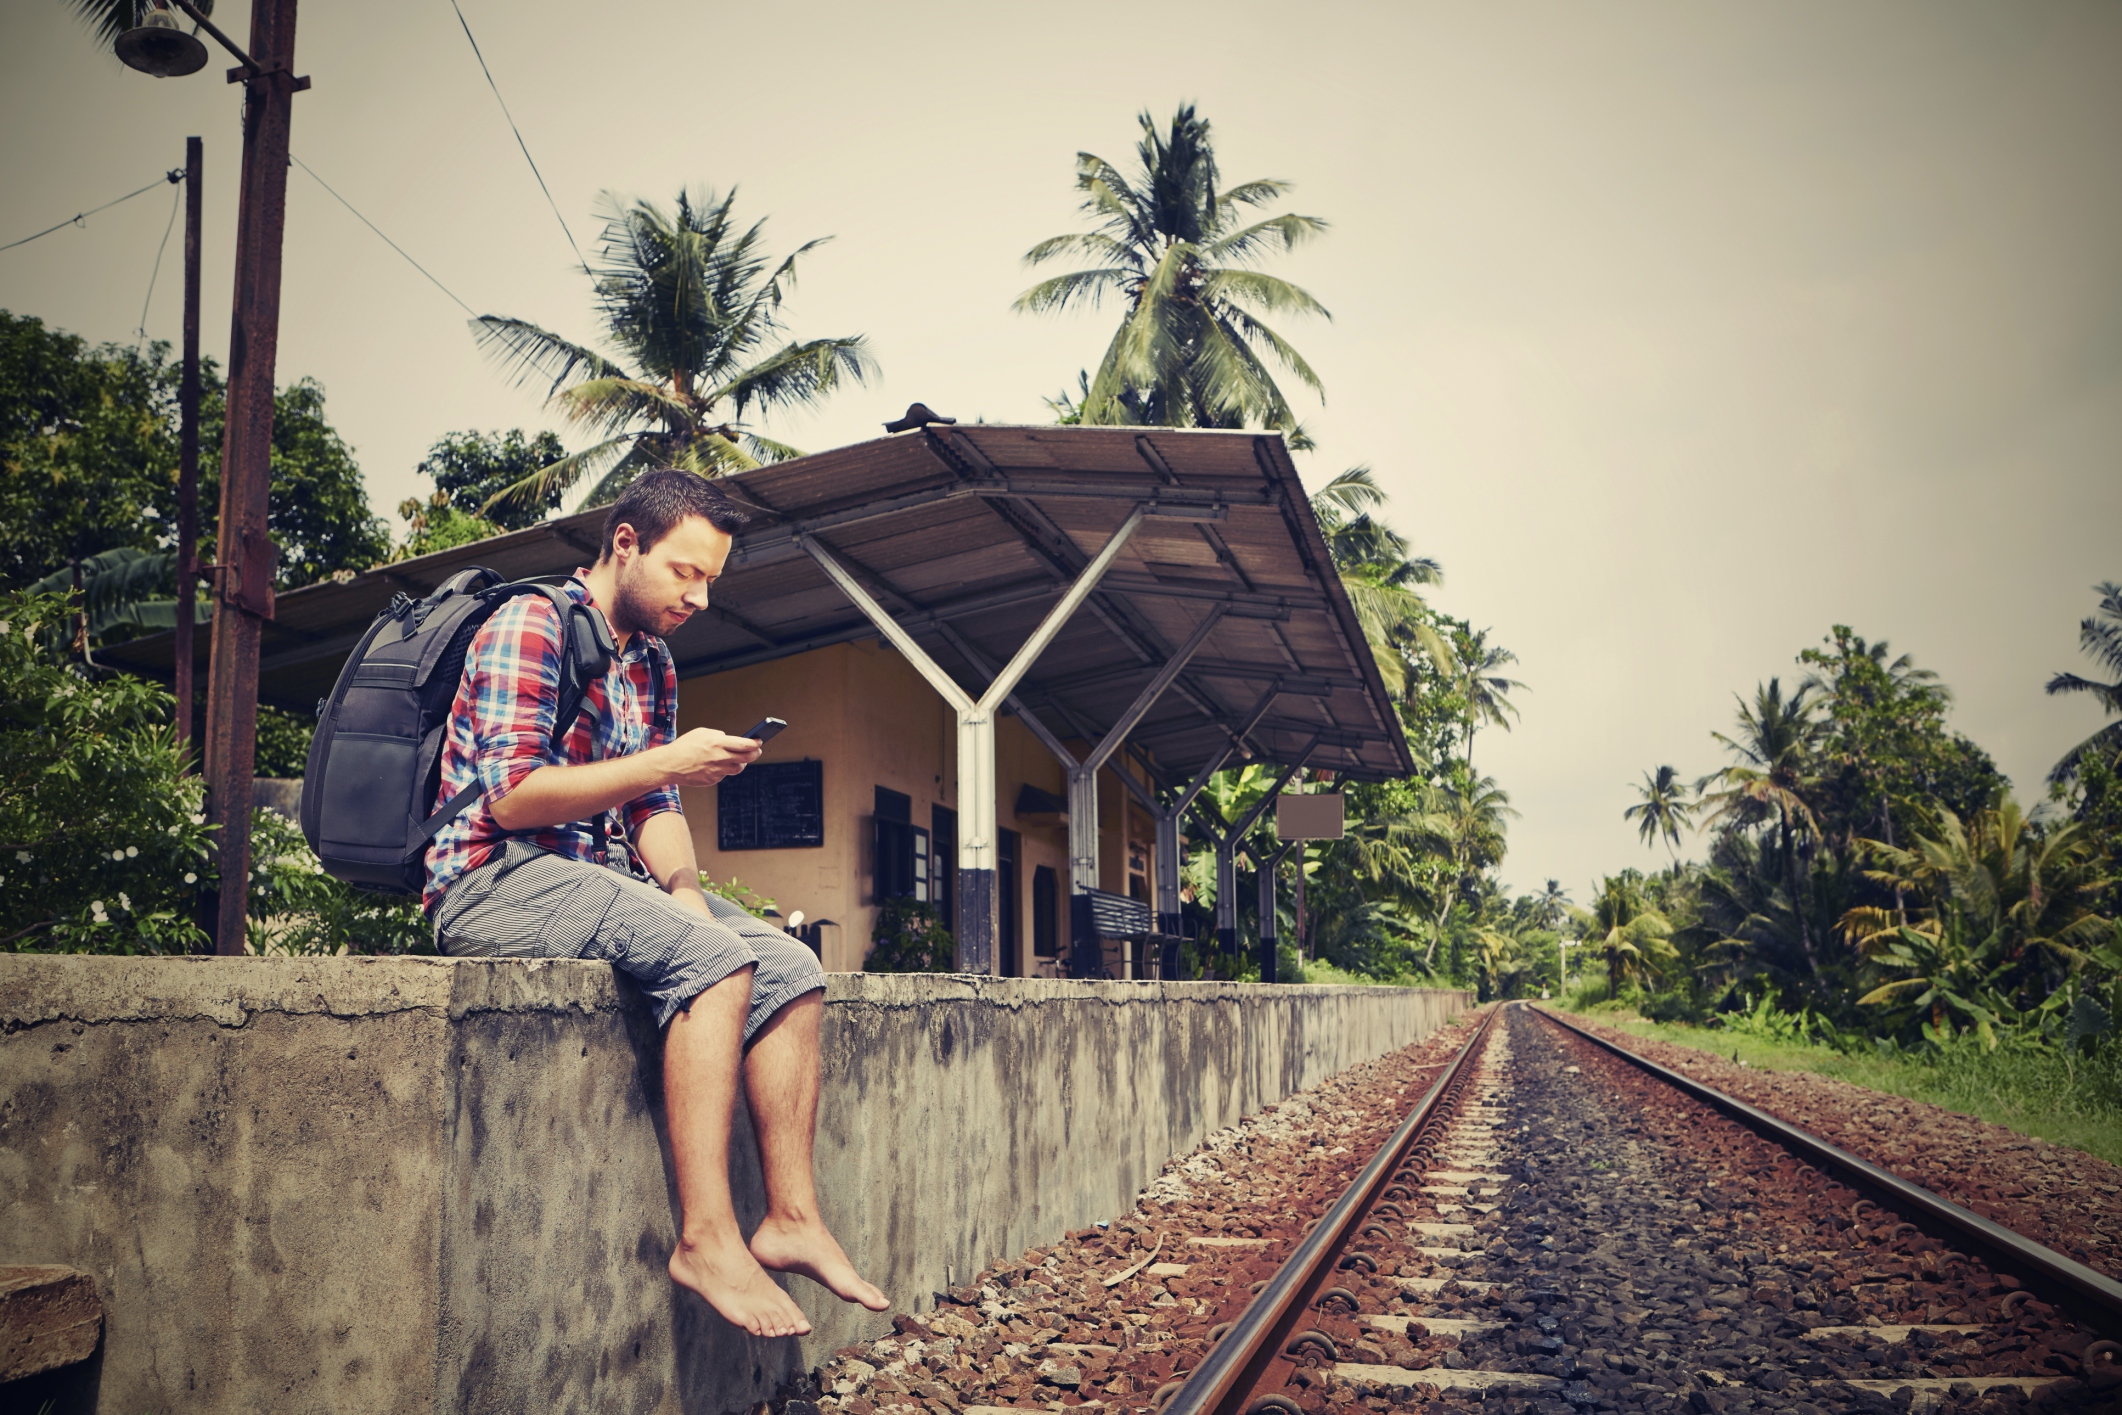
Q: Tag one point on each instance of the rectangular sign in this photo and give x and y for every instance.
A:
(1309, 817)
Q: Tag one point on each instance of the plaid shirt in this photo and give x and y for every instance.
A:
(501, 729)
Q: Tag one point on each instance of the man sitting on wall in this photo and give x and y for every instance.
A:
(584, 853)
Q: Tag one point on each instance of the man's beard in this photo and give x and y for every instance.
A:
(636, 612)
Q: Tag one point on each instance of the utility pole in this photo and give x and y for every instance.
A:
(244, 559)
(188, 444)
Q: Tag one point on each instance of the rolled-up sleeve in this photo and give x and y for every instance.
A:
(662, 728)
(513, 674)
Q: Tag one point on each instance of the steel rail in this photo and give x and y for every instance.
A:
(1223, 1380)
(2096, 1289)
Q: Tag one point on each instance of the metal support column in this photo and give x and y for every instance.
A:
(1086, 958)
(1226, 842)
(978, 828)
(1270, 927)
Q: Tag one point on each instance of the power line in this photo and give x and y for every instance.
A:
(386, 240)
(173, 177)
(155, 274)
(519, 135)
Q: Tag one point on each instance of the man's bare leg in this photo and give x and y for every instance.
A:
(781, 1083)
(701, 1056)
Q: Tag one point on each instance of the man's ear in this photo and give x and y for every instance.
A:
(624, 539)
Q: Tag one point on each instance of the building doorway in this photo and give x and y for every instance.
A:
(1007, 913)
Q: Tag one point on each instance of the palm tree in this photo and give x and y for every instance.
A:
(107, 19)
(1181, 255)
(1487, 691)
(2037, 890)
(1775, 746)
(1473, 839)
(1552, 906)
(1664, 809)
(1623, 925)
(692, 305)
(1379, 574)
(2100, 636)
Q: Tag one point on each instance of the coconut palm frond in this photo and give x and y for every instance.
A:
(529, 353)
(565, 473)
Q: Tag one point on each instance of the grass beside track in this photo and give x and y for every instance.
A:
(2047, 1097)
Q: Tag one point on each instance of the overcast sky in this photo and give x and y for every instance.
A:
(1678, 332)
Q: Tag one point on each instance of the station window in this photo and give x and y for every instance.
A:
(903, 855)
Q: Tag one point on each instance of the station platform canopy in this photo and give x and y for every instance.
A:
(966, 536)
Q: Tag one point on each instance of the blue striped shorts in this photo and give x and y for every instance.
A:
(530, 903)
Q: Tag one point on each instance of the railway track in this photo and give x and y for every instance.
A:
(1560, 1226)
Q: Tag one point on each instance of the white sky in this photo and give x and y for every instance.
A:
(1678, 332)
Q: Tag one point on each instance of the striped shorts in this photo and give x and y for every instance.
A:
(530, 903)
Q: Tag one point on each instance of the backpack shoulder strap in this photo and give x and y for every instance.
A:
(586, 651)
(585, 655)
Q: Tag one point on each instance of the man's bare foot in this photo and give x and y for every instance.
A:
(808, 1247)
(732, 1282)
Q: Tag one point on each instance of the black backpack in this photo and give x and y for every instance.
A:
(375, 764)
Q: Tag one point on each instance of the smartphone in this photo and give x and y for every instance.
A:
(765, 728)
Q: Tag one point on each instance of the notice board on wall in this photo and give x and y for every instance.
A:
(772, 806)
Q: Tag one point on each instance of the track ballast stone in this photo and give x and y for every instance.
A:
(1579, 1237)
(2061, 1198)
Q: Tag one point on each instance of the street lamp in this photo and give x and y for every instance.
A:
(242, 572)
(158, 46)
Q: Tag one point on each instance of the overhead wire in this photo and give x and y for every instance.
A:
(176, 200)
(466, 24)
(173, 176)
(379, 232)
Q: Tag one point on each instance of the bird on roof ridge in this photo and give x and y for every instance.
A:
(917, 415)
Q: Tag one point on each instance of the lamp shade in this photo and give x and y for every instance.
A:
(157, 46)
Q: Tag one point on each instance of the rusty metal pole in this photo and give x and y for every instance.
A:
(243, 563)
(188, 444)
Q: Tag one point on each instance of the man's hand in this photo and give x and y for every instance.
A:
(704, 756)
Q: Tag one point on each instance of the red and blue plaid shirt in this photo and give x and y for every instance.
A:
(501, 730)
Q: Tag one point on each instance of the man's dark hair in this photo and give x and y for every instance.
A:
(659, 500)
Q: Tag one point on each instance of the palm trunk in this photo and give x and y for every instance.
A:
(1886, 825)
(80, 604)
(1797, 907)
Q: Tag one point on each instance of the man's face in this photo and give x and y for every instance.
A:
(662, 587)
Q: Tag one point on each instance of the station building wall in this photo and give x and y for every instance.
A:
(869, 718)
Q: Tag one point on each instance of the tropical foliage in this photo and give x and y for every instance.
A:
(692, 309)
(104, 846)
(1180, 253)
(1869, 878)
(88, 477)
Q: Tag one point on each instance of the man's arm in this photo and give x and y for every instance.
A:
(553, 795)
(665, 844)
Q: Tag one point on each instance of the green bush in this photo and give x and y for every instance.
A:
(103, 838)
(1678, 1005)
(104, 846)
(296, 908)
(909, 938)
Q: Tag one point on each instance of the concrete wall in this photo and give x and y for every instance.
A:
(404, 1184)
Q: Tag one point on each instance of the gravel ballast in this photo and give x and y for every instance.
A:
(2061, 1198)
(1579, 1237)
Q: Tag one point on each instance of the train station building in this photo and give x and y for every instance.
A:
(1008, 657)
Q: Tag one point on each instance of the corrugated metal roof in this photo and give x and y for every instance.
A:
(967, 535)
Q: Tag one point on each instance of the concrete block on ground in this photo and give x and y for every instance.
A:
(50, 1317)
(407, 1184)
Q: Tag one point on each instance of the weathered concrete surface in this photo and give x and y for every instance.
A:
(405, 1184)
